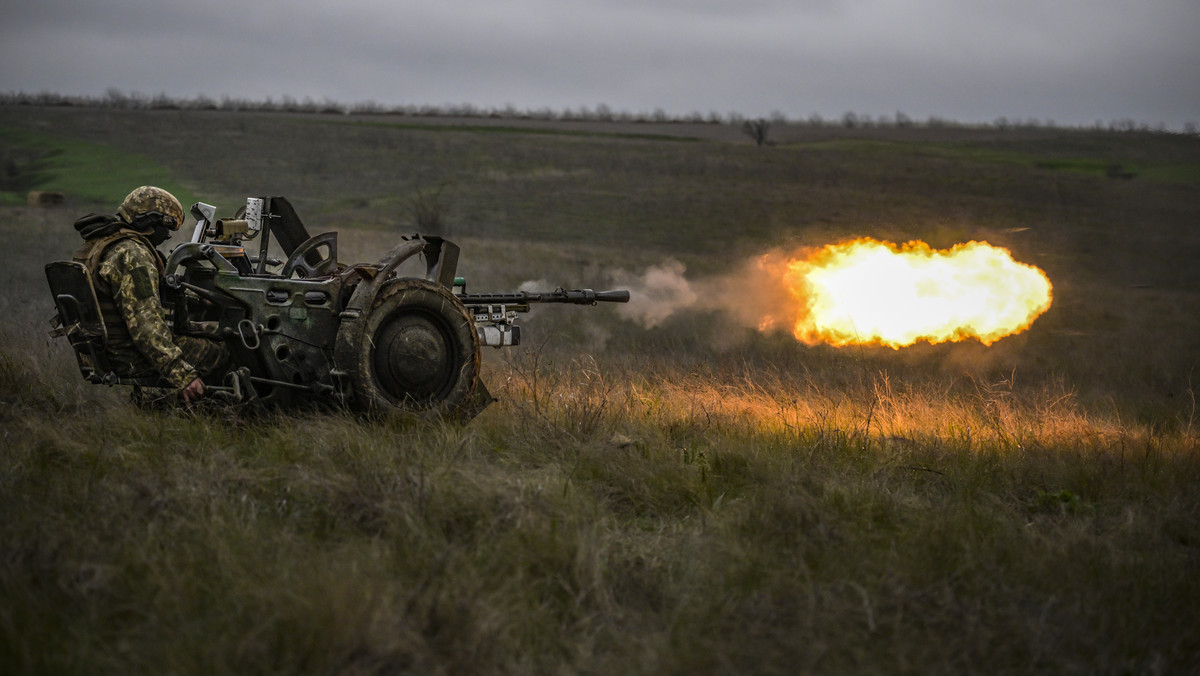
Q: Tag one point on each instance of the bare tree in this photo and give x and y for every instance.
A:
(757, 130)
(429, 211)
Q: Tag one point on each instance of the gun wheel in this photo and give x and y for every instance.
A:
(418, 351)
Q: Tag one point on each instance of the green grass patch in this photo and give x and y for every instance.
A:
(505, 129)
(1172, 173)
(857, 145)
(85, 172)
(1103, 162)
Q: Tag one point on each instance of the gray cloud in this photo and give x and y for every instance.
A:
(1075, 61)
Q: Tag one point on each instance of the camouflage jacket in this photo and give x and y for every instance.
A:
(125, 271)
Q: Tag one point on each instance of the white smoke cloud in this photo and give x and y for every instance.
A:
(656, 294)
(536, 286)
(748, 296)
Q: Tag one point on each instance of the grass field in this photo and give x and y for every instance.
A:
(690, 497)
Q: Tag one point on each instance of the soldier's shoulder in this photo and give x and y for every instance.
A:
(128, 252)
(130, 246)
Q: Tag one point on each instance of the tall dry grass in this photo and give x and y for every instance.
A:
(600, 520)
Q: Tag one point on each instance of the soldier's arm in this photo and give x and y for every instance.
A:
(129, 267)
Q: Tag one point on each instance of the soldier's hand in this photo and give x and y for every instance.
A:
(194, 390)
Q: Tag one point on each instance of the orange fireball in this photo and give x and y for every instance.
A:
(870, 292)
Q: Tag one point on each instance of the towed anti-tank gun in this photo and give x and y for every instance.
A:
(307, 328)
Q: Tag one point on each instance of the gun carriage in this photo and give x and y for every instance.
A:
(307, 328)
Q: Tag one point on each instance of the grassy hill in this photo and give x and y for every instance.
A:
(694, 497)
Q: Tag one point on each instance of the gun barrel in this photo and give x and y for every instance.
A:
(574, 297)
(614, 296)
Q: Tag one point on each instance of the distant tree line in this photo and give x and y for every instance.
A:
(756, 128)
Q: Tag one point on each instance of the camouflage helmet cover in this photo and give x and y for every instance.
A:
(149, 198)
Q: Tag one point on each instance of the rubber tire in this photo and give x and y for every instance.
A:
(418, 352)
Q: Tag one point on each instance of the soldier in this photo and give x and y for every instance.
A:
(119, 252)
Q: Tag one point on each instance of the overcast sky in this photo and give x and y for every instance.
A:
(1071, 61)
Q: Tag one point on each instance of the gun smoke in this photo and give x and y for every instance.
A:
(663, 291)
(657, 294)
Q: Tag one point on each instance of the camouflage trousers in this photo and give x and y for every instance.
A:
(209, 357)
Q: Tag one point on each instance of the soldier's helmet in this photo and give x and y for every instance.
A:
(149, 198)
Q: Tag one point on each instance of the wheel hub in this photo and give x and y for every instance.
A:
(412, 357)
